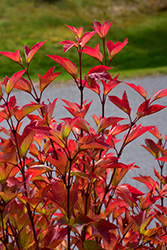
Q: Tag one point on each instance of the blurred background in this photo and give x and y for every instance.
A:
(143, 22)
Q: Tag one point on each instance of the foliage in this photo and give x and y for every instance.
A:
(60, 182)
(29, 21)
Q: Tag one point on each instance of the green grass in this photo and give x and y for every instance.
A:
(30, 21)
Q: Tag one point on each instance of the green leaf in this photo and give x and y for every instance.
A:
(91, 245)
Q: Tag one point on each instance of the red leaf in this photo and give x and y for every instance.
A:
(99, 73)
(139, 89)
(102, 29)
(155, 132)
(15, 56)
(77, 31)
(159, 94)
(29, 53)
(135, 132)
(123, 103)
(26, 142)
(152, 147)
(108, 86)
(93, 52)
(10, 156)
(144, 109)
(80, 221)
(23, 84)
(68, 45)
(106, 122)
(92, 84)
(45, 80)
(117, 129)
(114, 49)
(75, 109)
(69, 66)
(13, 80)
(25, 110)
(60, 164)
(86, 37)
(102, 226)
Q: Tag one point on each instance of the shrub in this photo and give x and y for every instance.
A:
(60, 181)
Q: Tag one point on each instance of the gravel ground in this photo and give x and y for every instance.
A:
(133, 152)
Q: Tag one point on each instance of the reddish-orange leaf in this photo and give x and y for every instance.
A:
(102, 29)
(145, 109)
(68, 65)
(23, 84)
(108, 86)
(139, 89)
(36, 170)
(82, 124)
(85, 38)
(29, 53)
(92, 84)
(123, 103)
(152, 147)
(103, 227)
(162, 218)
(163, 158)
(148, 181)
(80, 221)
(106, 122)
(45, 80)
(68, 45)
(9, 157)
(75, 109)
(155, 132)
(77, 31)
(159, 94)
(25, 110)
(117, 129)
(13, 80)
(93, 52)
(26, 142)
(114, 49)
(135, 132)
(15, 56)
(99, 73)
(60, 164)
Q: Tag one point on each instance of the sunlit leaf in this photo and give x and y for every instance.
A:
(36, 170)
(159, 94)
(15, 56)
(45, 80)
(25, 110)
(29, 53)
(139, 89)
(13, 80)
(123, 103)
(23, 84)
(65, 63)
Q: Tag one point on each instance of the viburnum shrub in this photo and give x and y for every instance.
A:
(60, 181)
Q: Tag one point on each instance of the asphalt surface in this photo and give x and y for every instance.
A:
(134, 152)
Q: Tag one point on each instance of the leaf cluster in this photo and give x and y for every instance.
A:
(61, 182)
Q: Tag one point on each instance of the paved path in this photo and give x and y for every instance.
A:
(134, 152)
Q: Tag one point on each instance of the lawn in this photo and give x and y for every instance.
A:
(30, 21)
